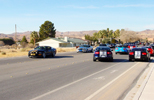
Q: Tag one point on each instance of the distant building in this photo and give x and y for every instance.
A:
(61, 42)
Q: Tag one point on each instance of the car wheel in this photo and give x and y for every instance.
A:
(44, 55)
(29, 56)
(116, 53)
(147, 60)
(94, 59)
(111, 59)
(53, 54)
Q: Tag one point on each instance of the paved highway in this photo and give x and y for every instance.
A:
(68, 76)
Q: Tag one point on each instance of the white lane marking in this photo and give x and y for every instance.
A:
(100, 78)
(98, 91)
(45, 94)
(113, 71)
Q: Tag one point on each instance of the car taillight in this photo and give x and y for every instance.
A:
(144, 53)
(129, 47)
(131, 53)
(133, 46)
(109, 53)
(96, 52)
(124, 48)
(149, 49)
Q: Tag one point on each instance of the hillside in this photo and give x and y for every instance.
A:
(75, 34)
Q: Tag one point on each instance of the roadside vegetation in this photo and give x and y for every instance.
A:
(110, 36)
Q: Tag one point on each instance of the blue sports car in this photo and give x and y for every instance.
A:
(122, 49)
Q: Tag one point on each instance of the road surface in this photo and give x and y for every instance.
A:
(68, 76)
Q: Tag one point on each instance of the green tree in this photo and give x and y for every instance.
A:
(117, 33)
(47, 30)
(24, 39)
(34, 37)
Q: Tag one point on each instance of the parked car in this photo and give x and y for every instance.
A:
(85, 48)
(139, 54)
(122, 49)
(150, 49)
(103, 52)
(42, 51)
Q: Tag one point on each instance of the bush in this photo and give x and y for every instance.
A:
(30, 45)
(3, 53)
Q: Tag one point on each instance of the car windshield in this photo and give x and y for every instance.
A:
(40, 48)
(122, 46)
(139, 49)
(102, 45)
(99, 48)
(84, 46)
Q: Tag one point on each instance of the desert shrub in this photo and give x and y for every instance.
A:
(3, 53)
(23, 49)
(30, 45)
(23, 44)
(2, 43)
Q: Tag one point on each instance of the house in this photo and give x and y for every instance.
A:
(53, 42)
(75, 41)
(63, 42)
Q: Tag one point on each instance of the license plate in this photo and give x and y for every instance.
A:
(103, 53)
(32, 54)
(137, 54)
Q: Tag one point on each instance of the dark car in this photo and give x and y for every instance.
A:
(42, 51)
(103, 52)
(139, 54)
(103, 45)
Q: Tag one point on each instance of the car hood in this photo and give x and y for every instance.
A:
(36, 50)
(83, 47)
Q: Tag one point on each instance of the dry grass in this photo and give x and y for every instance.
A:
(24, 51)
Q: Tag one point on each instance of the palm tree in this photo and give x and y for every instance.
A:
(34, 36)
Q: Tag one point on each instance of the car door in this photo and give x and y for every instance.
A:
(49, 51)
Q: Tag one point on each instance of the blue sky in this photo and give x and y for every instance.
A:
(76, 15)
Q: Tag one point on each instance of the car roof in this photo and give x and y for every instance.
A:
(139, 48)
(102, 47)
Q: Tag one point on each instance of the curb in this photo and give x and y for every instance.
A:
(143, 85)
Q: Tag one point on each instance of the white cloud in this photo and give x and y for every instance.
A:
(132, 5)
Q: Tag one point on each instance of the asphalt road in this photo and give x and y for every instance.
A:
(68, 76)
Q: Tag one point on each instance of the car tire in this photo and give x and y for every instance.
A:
(116, 53)
(94, 59)
(147, 60)
(29, 56)
(53, 54)
(44, 55)
(111, 59)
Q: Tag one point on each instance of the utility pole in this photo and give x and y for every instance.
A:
(15, 37)
(15, 33)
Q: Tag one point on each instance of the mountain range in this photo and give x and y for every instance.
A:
(74, 34)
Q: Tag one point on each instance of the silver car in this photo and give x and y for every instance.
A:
(85, 48)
